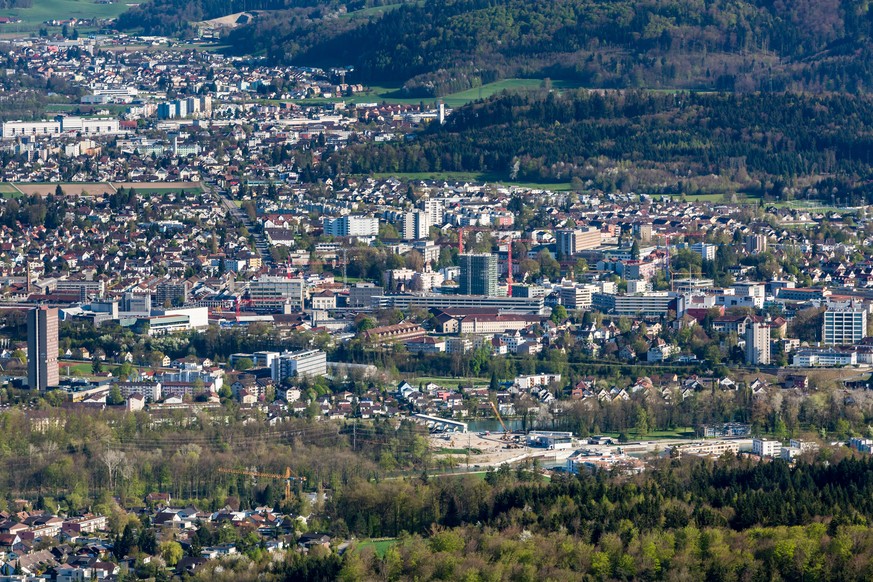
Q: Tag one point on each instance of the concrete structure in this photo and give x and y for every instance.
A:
(827, 358)
(757, 344)
(765, 447)
(275, 292)
(299, 364)
(575, 296)
(570, 242)
(169, 294)
(440, 424)
(351, 226)
(551, 440)
(415, 225)
(844, 326)
(655, 304)
(478, 274)
(705, 250)
(436, 210)
(756, 243)
(151, 391)
(406, 301)
(364, 294)
(61, 125)
(42, 348)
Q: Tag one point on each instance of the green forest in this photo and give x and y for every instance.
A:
(683, 520)
(438, 47)
(763, 144)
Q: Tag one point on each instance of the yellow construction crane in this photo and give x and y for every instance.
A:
(287, 476)
(497, 413)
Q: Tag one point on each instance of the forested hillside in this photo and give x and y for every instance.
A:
(659, 142)
(437, 46)
(174, 16)
(683, 520)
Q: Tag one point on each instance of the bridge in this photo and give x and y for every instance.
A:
(441, 424)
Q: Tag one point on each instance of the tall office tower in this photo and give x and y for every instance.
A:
(42, 348)
(757, 344)
(416, 225)
(478, 274)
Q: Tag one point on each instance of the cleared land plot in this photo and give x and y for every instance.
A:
(98, 189)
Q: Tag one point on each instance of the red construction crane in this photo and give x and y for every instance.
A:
(509, 261)
(462, 230)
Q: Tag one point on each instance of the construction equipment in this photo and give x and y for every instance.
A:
(509, 268)
(287, 476)
(462, 230)
(503, 424)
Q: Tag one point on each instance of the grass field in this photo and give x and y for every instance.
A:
(485, 91)
(8, 190)
(448, 382)
(379, 546)
(42, 10)
(474, 177)
(678, 433)
(379, 94)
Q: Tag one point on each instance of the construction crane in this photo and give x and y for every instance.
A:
(461, 231)
(287, 476)
(497, 414)
(509, 261)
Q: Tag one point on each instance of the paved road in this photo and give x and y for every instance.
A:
(262, 247)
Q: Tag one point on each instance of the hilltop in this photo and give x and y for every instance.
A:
(438, 47)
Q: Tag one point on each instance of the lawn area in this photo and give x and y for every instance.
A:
(8, 190)
(477, 177)
(378, 94)
(448, 382)
(42, 10)
(160, 191)
(485, 91)
(380, 546)
(686, 432)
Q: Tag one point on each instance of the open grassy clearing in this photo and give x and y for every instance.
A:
(42, 10)
(448, 382)
(380, 546)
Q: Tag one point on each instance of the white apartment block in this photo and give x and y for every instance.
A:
(758, 344)
(415, 225)
(766, 447)
(298, 364)
(571, 242)
(844, 326)
(351, 226)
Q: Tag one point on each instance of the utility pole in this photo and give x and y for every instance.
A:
(355, 435)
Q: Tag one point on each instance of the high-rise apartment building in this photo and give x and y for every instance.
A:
(757, 344)
(415, 225)
(478, 274)
(844, 326)
(351, 226)
(756, 243)
(574, 241)
(436, 210)
(42, 348)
